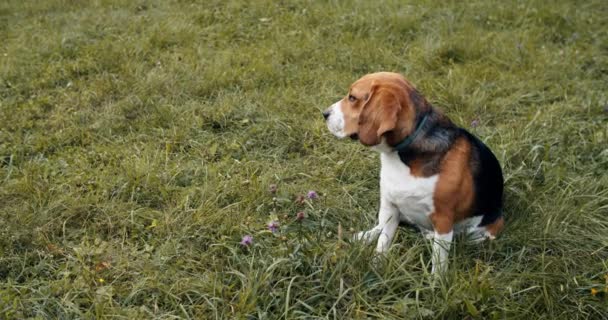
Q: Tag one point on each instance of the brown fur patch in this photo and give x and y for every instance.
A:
(378, 116)
(454, 192)
(495, 227)
(417, 167)
(424, 165)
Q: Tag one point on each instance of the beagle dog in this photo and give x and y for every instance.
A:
(434, 175)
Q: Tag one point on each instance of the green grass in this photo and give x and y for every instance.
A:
(138, 141)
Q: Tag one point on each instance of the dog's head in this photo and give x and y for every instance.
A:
(378, 105)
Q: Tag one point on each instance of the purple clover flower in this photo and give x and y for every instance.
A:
(312, 195)
(273, 226)
(300, 216)
(247, 240)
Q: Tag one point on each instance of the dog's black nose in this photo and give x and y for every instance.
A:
(326, 114)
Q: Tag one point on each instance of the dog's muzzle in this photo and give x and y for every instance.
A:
(326, 114)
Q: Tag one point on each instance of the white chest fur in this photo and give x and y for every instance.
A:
(412, 196)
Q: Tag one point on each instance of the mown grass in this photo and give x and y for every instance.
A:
(138, 141)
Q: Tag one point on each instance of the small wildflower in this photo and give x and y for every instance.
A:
(594, 291)
(300, 216)
(299, 199)
(154, 224)
(247, 240)
(334, 258)
(474, 123)
(273, 226)
(312, 195)
(272, 188)
(102, 266)
(54, 249)
(101, 280)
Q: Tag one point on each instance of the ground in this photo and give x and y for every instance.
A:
(139, 141)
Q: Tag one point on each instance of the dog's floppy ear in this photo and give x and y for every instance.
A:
(379, 115)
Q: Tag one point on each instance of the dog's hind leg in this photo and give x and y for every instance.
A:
(442, 241)
(440, 251)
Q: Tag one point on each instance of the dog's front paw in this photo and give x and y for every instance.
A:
(367, 236)
(429, 235)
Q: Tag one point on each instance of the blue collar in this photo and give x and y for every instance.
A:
(409, 139)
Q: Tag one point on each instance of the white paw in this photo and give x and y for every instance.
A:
(479, 235)
(367, 236)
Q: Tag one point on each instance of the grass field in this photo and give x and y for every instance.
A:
(139, 140)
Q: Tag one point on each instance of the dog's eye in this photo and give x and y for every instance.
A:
(351, 98)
